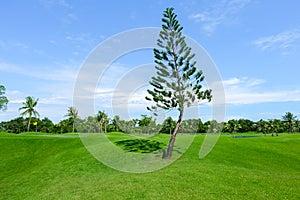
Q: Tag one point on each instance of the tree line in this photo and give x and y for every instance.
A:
(29, 121)
(101, 123)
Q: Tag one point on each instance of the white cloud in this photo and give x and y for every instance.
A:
(283, 40)
(13, 45)
(62, 3)
(54, 88)
(232, 81)
(243, 81)
(72, 38)
(212, 17)
(9, 68)
(69, 18)
(63, 9)
(55, 100)
(238, 91)
(83, 42)
(21, 47)
(249, 91)
(64, 74)
(263, 97)
(14, 96)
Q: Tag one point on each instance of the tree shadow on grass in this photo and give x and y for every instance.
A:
(140, 146)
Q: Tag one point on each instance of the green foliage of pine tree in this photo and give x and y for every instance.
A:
(178, 83)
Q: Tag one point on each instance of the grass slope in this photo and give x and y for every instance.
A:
(59, 167)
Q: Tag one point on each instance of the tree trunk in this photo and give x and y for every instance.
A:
(28, 127)
(73, 128)
(173, 136)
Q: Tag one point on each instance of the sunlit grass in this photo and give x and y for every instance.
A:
(59, 167)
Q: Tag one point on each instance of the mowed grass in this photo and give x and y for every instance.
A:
(59, 167)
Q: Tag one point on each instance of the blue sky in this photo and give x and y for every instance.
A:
(255, 45)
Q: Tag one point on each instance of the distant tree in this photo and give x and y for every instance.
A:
(289, 119)
(3, 99)
(178, 82)
(93, 125)
(261, 126)
(201, 127)
(246, 125)
(125, 126)
(88, 125)
(279, 125)
(190, 126)
(131, 126)
(145, 121)
(296, 125)
(114, 126)
(17, 125)
(46, 125)
(207, 126)
(273, 127)
(168, 126)
(135, 123)
(29, 109)
(213, 126)
(147, 124)
(103, 120)
(64, 126)
(35, 122)
(2, 126)
(233, 126)
(73, 115)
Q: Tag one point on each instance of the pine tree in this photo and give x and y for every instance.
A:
(177, 84)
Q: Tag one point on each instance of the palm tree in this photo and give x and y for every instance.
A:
(262, 126)
(233, 125)
(273, 126)
(289, 118)
(73, 114)
(28, 107)
(102, 119)
(297, 125)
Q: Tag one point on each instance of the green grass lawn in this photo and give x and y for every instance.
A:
(41, 166)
